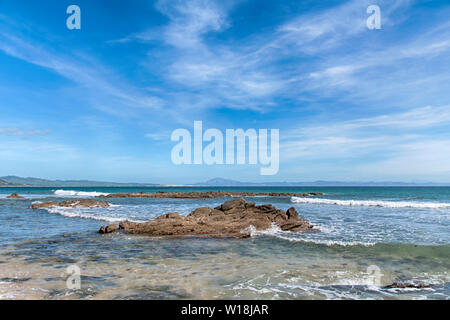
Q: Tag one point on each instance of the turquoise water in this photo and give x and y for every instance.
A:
(401, 233)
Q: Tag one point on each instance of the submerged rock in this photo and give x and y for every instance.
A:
(206, 195)
(81, 203)
(14, 196)
(231, 219)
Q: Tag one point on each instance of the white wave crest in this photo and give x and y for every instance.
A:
(373, 203)
(72, 193)
(275, 231)
(272, 231)
(109, 214)
(70, 213)
(91, 213)
(329, 243)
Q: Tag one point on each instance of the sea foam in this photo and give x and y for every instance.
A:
(100, 214)
(275, 231)
(373, 203)
(72, 193)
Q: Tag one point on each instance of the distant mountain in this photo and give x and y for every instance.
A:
(4, 183)
(14, 180)
(220, 182)
(11, 181)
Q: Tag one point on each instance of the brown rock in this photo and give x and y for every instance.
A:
(280, 217)
(108, 229)
(401, 285)
(41, 205)
(14, 196)
(111, 228)
(84, 203)
(201, 212)
(81, 203)
(267, 209)
(292, 213)
(232, 204)
(170, 215)
(231, 219)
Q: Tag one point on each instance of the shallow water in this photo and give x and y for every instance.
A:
(360, 250)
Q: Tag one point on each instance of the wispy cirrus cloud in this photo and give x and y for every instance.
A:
(382, 135)
(190, 20)
(22, 132)
(157, 136)
(78, 68)
(406, 146)
(419, 160)
(357, 69)
(325, 49)
(222, 71)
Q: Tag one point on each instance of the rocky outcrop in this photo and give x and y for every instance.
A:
(231, 219)
(402, 285)
(43, 205)
(108, 229)
(81, 203)
(207, 195)
(14, 196)
(84, 203)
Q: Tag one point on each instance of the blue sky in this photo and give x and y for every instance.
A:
(101, 102)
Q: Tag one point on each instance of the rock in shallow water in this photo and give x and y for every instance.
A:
(42, 205)
(82, 203)
(231, 219)
(401, 285)
(14, 196)
(108, 229)
(206, 195)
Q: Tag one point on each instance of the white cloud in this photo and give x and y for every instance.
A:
(156, 136)
(248, 74)
(79, 70)
(412, 145)
(190, 20)
(367, 137)
(312, 33)
(23, 150)
(22, 132)
(425, 160)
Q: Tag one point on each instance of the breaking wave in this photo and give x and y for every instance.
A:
(275, 231)
(100, 214)
(373, 203)
(70, 213)
(72, 193)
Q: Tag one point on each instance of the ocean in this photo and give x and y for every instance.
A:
(370, 238)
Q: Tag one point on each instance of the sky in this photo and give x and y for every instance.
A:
(101, 103)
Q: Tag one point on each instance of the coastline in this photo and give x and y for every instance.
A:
(206, 195)
(406, 243)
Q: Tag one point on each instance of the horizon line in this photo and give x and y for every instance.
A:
(228, 182)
